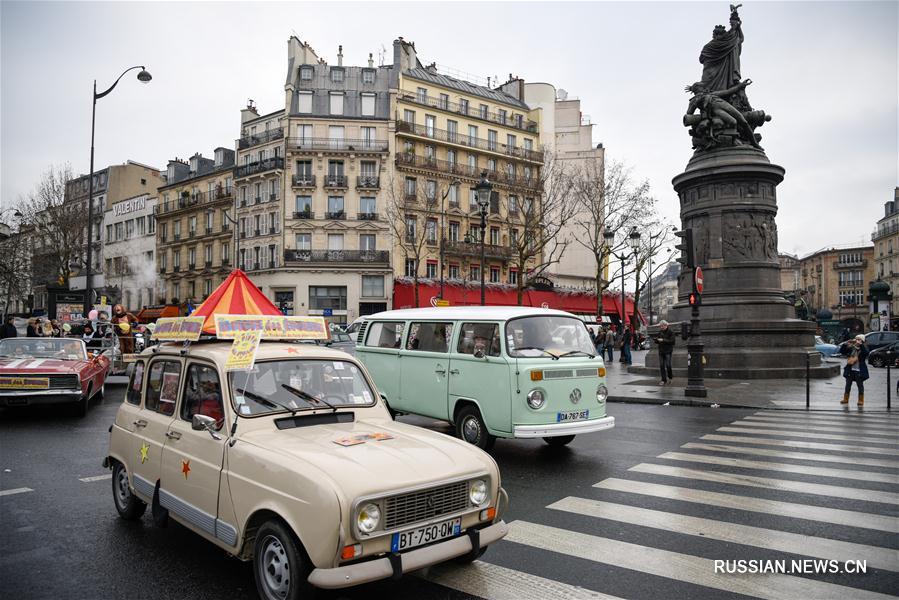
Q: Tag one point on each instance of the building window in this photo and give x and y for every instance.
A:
(472, 135)
(207, 254)
(410, 187)
(368, 75)
(306, 73)
(368, 136)
(422, 95)
(453, 271)
(373, 286)
(482, 111)
(409, 116)
(304, 103)
(444, 101)
(431, 269)
(494, 274)
(226, 252)
(491, 140)
(335, 207)
(304, 134)
(120, 231)
(368, 205)
(336, 75)
(528, 144)
(335, 169)
(367, 242)
(431, 190)
(109, 233)
(454, 231)
(304, 170)
(430, 123)
(453, 194)
(151, 224)
(513, 276)
(368, 105)
(494, 236)
(474, 272)
(501, 115)
(463, 106)
(304, 206)
(207, 287)
(411, 224)
(304, 241)
(431, 231)
(336, 103)
(336, 136)
(321, 297)
(410, 267)
(335, 241)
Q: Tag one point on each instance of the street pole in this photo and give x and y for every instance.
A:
(443, 235)
(650, 285)
(483, 266)
(623, 310)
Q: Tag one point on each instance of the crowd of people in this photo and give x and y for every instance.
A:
(94, 330)
(610, 338)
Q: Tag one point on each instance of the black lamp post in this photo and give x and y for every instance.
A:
(443, 233)
(144, 77)
(484, 188)
(236, 237)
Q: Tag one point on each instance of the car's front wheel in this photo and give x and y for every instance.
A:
(279, 564)
(559, 440)
(876, 361)
(129, 506)
(471, 428)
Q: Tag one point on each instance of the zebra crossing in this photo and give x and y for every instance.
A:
(770, 487)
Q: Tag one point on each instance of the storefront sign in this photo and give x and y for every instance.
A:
(178, 328)
(129, 206)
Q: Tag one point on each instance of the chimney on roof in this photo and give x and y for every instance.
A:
(340, 56)
(371, 61)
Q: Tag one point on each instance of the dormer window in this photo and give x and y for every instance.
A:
(368, 75)
(336, 75)
(306, 73)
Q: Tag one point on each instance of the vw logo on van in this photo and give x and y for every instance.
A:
(575, 396)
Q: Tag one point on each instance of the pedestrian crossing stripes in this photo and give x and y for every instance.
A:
(675, 565)
(95, 478)
(836, 458)
(818, 426)
(836, 516)
(846, 417)
(770, 539)
(808, 434)
(835, 421)
(786, 485)
(798, 444)
(14, 491)
(783, 467)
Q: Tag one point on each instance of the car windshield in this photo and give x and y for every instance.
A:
(532, 337)
(43, 348)
(298, 385)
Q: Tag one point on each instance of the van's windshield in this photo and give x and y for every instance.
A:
(556, 336)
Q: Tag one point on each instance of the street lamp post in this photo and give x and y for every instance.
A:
(443, 234)
(633, 240)
(144, 77)
(484, 188)
(236, 237)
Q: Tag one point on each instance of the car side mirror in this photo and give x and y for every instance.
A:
(204, 423)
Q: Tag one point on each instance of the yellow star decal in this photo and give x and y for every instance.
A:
(144, 453)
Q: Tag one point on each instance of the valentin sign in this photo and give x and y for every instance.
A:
(129, 206)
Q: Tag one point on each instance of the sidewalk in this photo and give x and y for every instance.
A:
(825, 394)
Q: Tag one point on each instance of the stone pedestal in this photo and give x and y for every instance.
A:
(728, 197)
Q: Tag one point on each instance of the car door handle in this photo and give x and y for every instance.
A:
(454, 371)
(139, 423)
(441, 371)
(173, 435)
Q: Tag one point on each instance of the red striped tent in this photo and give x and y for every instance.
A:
(236, 296)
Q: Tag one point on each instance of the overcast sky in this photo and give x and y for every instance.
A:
(826, 71)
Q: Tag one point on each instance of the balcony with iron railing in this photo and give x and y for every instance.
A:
(474, 249)
(192, 201)
(381, 257)
(336, 181)
(304, 181)
(337, 215)
(314, 144)
(258, 167)
(517, 122)
(367, 216)
(368, 182)
(405, 159)
(882, 232)
(851, 264)
(304, 214)
(254, 139)
(452, 137)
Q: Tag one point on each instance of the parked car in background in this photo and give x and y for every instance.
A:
(825, 348)
(353, 327)
(884, 355)
(876, 339)
(50, 371)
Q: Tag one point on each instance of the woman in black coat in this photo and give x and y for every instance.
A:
(856, 368)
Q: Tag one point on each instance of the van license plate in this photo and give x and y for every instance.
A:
(425, 535)
(572, 415)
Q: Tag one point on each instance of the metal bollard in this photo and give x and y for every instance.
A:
(808, 372)
(889, 390)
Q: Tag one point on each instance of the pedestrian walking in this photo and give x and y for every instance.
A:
(856, 368)
(609, 343)
(9, 329)
(665, 340)
(626, 338)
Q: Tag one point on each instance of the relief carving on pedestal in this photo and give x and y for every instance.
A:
(749, 237)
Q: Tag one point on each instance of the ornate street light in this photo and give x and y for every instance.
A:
(144, 77)
(483, 189)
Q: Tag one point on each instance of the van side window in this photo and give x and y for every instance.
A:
(163, 386)
(429, 337)
(385, 335)
(479, 335)
(203, 394)
(136, 383)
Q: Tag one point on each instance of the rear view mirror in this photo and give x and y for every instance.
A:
(203, 422)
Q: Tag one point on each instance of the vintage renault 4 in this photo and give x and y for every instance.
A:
(491, 371)
(296, 465)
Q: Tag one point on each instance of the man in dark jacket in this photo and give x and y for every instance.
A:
(665, 340)
(626, 338)
(856, 368)
(9, 329)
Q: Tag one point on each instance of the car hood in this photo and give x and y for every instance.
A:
(412, 457)
(40, 365)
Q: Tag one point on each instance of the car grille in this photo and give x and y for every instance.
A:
(406, 509)
(568, 373)
(62, 382)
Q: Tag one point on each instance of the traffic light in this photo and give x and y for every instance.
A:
(686, 247)
(695, 299)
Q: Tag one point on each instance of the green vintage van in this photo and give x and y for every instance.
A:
(495, 371)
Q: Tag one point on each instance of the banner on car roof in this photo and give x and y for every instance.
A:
(272, 327)
(179, 329)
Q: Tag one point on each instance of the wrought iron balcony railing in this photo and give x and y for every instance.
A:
(260, 138)
(517, 121)
(368, 182)
(453, 137)
(337, 256)
(261, 166)
(336, 145)
(304, 181)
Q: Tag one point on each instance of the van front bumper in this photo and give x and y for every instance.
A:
(396, 564)
(557, 429)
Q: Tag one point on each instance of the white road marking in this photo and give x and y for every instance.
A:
(15, 491)
(770, 539)
(785, 485)
(849, 423)
(795, 444)
(677, 566)
(809, 434)
(836, 516)
(783, 467)
(836, 458)
(487, 580)
(95, 478)
(887, 431)
(846, 417)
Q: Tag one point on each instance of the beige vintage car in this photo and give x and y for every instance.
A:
(297, 466)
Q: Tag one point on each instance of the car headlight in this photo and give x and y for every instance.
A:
(477, 492)
(602, 393)
(536, 399)
(368, 518)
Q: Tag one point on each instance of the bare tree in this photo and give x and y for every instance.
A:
(608, 198)
(59, 222)
(652, 244)
(536, 223)
(15, 268)
(413, 212)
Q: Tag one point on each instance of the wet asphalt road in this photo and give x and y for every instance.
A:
(64, 540)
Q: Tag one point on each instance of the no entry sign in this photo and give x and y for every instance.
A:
(697, 277)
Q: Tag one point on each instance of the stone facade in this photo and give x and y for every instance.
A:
(836, 279)
(886, 248)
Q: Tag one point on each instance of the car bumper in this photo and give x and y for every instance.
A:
(557, 429)
(397, 564)
(32, 397)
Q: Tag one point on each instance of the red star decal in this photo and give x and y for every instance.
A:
(293, 351)
(185, 467)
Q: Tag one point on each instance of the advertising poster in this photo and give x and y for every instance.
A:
(243, 351)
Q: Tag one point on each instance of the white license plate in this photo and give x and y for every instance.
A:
(425, 535)
(572, 415)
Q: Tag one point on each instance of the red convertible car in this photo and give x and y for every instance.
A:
(50, 370)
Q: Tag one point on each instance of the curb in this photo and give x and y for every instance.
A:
(708, 404)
